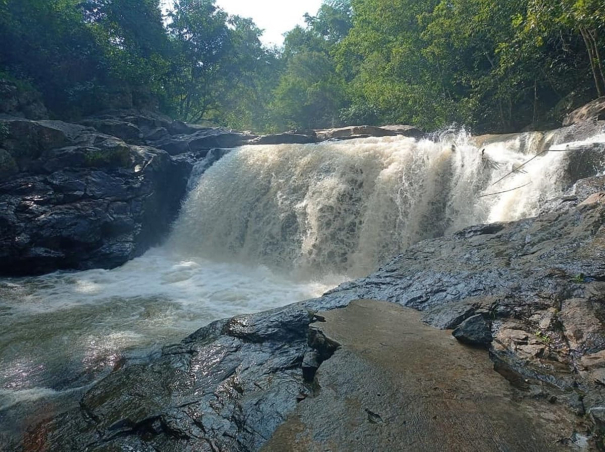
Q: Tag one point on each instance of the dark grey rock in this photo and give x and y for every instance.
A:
(474, 331)
(79, 199)
(284, 138)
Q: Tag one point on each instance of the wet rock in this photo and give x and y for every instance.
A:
(381, 390)
(474, 331)
(368, 131)
(285, 138)
(75, 198)
(594, 110)
(539, 281)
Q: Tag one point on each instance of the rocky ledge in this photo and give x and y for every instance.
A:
(531, 292)
(74, 198)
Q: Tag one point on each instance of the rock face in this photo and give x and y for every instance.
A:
(594, 110)
(539, 285)
(18, 102)
(71, 197)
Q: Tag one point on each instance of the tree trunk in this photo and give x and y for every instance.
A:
(599, 62)
(594, 60)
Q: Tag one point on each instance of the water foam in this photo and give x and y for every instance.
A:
(346, 207)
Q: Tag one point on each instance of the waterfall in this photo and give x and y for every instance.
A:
(263, 227)
(345, 207)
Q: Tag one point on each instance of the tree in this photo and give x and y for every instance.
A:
(585, 18)
(311, 93)
(199, 33)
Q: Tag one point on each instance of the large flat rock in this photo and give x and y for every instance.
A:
(398, 384)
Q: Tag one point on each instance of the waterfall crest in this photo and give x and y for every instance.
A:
(346, 207)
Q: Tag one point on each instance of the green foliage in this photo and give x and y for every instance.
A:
(542, 337)
(118, 156)
(493, 65)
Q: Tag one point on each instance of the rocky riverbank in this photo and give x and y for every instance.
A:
(531, 292)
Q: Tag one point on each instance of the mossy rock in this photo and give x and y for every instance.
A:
(8, 166)
(118, 156)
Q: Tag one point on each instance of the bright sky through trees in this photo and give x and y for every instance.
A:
(274, 16)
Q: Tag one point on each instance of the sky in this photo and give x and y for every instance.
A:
(275, 17)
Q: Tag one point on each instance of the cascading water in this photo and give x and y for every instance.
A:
(263, 227)
(346, 207)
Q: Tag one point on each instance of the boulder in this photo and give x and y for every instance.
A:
(73, 198)
(594, 110)
(474, 331)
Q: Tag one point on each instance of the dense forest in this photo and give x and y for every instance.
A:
(489, 64)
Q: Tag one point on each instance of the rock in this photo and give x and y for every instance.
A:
(579, 192)
(597, 414)
(124, 130)
(449, 316)
(285, 138)
(582, 324)
(180, 128)
(8, 166)
(594, 110)
(157, 134)
(242, 375)
(384, 390)
(310, 364)
(201, 141)
(368, 131)
(77, 199)
(26, 139)
(406, 130)
(474, 331)
(18, 101)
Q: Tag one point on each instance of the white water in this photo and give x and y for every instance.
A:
(265, 226)
(346, 207)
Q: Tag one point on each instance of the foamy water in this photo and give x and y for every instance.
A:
(346, 207)
(154, 299)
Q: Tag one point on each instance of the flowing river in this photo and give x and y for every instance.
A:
(264, 227)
